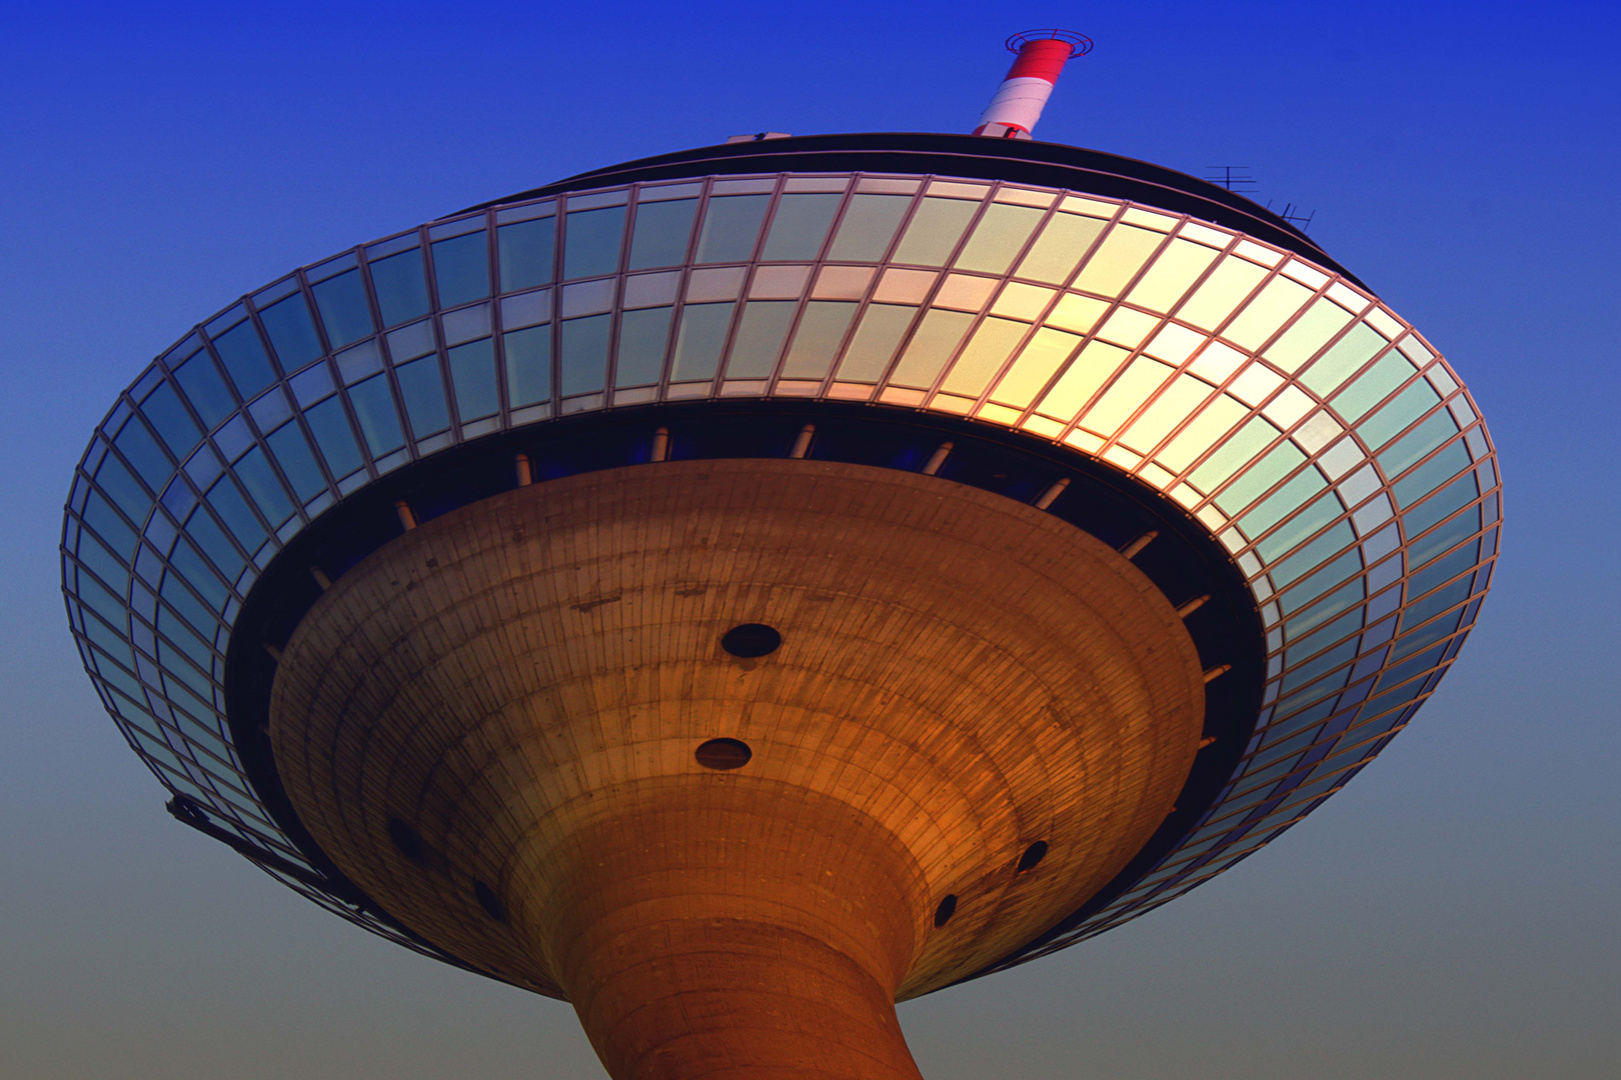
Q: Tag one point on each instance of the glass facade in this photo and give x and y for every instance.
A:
(1318, 438)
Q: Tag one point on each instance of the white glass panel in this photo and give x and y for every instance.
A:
(1225, 288)
(1273, 306)
(1177, 267)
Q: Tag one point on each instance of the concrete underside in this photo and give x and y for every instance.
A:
(490, 725)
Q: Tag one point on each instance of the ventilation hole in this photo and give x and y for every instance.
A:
(1032, 855)
(490, 902)
(751, 640)
(947, 908)
(406, 839)
(723, 754)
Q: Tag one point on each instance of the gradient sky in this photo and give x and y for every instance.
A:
(1451, 914)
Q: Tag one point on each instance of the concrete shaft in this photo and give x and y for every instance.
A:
(491, 724)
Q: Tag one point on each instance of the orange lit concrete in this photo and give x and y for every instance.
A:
(523, 684)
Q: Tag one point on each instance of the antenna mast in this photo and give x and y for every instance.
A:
(1040, 56)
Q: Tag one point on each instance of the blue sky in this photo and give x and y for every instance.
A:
(1449, 915)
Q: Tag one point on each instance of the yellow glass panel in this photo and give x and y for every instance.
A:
(1117, 259)
(1022, 301)
(1178, 401)
(1077, 313)
(1036, 364)
(984, 356)
(935, 340)
(1271, 308)
(998, 237)
(1215, 420)
(1177, 267)
(1135, 386)
(933, 231)
(1222, 291)
(1059, 248)
(1128, 327)
(1089, 371)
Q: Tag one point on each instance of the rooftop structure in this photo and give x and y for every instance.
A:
(739, 589)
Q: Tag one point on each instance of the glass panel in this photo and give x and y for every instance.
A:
(461, 269)
(1039, 361)
(1177, 267)
(1465, 524)
(1060, 247)
(936, 339)
(874, 343)
(999, 236)
(1130, 391)
(1234, 454)
(585, 355)
(529, 365)
(816, 342)
(1180, 398)
(141, 450)
(868, 227)
(1440, 628)
(205, 390)
(526, 253)
(1229, 283)
(663, 231)
(731, 224)
(1117, 259)
(1217, 417)
(1260, 476)
(114, 479)
(1444, 569)
(643, 337)
(1283, 502)
(1301, 341)
(1090, 369)
(1348, 354)
(298, 464)
(1300, 648)
(799, 226)
(257, 476)
(292, 331)
(232, 509)
(702, 336)
(379, 422)
(1271, 308)
(1314, 585)
(984, 355)
(1431, 475)
(1325, 509)
(934, 231)
(100, 516)
(1371, 386)
(342, 301)
(591, 242)
(332, 434)
(244, 358)
(1334, 540)
(472, 376)
(424, 394)
(402, 287)
(1408, 406)
(760, 335)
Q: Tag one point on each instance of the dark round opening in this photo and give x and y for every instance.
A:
(947, 908)
(750, 640)
(406, 839)
(723, 754)
(1032, 855)
(490, 902)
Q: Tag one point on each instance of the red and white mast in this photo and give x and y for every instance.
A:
(1040, 56)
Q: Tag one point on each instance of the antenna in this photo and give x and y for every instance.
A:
(1293, 215)
(1232, 177)
(1040, 56)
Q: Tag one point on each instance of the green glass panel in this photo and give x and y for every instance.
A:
(1323, 637)
(1000, 235)
(644, 335)
(934, 230)
(292, 331)
(1314, 585)
(584, 365)
(700, 340)
(332, 434)
(402, 287)
(868, 226)
(461, 269)
(731, 225)
(424, 394)
(874, 343)
(472, 377)
(1258, 477)
(525, 253)
(1059, 249)
(1406, 407)
(1444, 569)
(1372, 386)
(243, 355)
(937, 337)
(760, 334)
(799, 226)
(821, 330)
(663, 231)
(1432, 544)
(342, 302)
(591, 242)
(1322, 320)
(1334, 540)
(529, 365)
(379, 420)
(1283, 502)
(1431, 475)
(1234, 454)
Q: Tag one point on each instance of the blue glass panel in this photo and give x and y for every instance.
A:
(1316, 584)
(591, 242)
(205, 390)
(663, 231)
(402, 287)
(141, 450)
(243, 355)
(584, 366)
(526, 253)
(115, 481)
(1427, 547)
(212, 540)
(529, 365)
(699, 343)
(1431, 475)
(1444, 569)
(260, 479)
(868, 227)
(195, 569)
(1341, 600)
(731, 226)
(799, 226)
(1320, 512)
(424, 394)
(332, 434)
(291, 331)
(461, 269)
(342, 301)
(181, 636)
(297, 461)
(233, 509)
(1335, 539)
(102, 563)
(1310, 670)
(178, 430)
(643, 337)
(1319, 639)
(1407, 669)
(186, 605)
(1430, 606)
(379, 421)
(1440, 505)
(99, 515)
(472, 376)
(102, 602)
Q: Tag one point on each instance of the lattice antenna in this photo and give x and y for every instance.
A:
(1232, 177)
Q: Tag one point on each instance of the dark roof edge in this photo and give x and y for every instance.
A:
(1042, 164)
